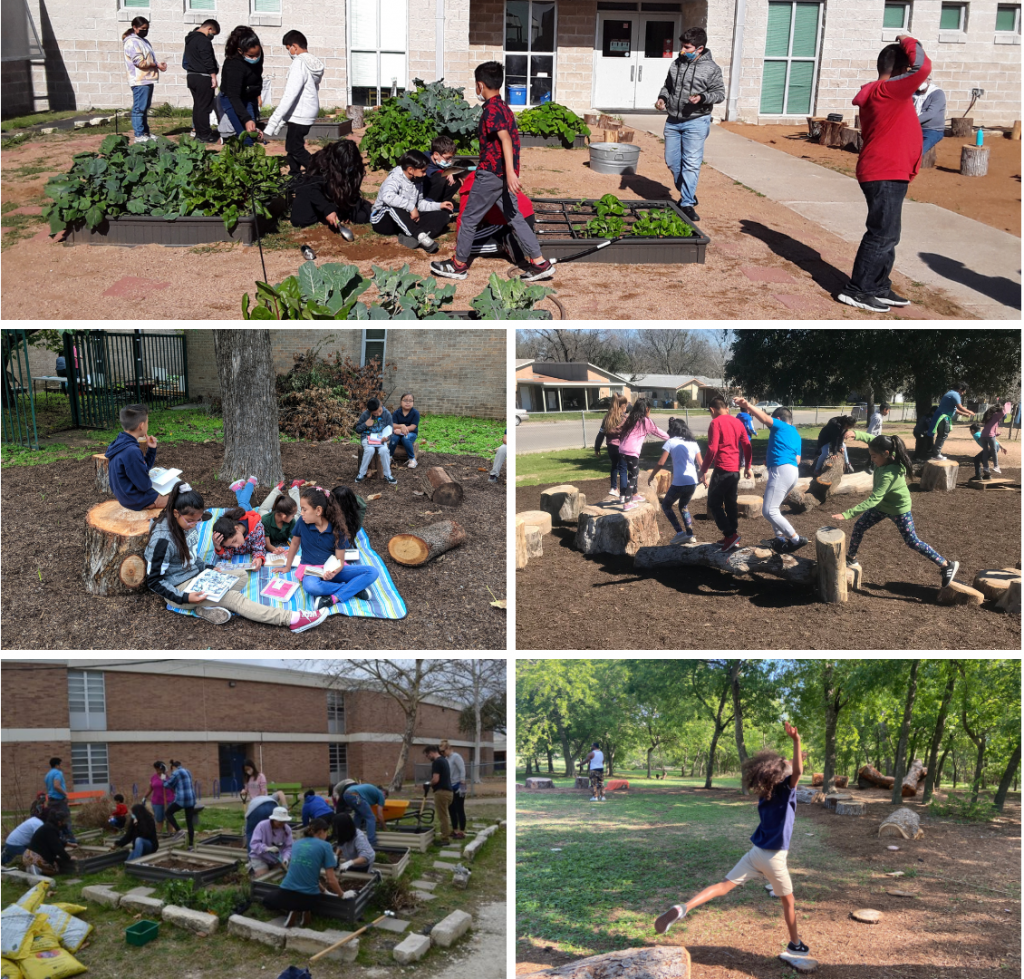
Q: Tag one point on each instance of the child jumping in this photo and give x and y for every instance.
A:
(987, 436)
(612, 420)
(631, 434)
(775, 781)
(682, 446)
(891, 498)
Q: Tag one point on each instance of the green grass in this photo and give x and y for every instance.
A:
(19, 226)
(45, 118)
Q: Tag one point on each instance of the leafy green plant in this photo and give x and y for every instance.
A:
(336, 111)
(510, 299)
(233, 179)
(181, 893)
(608, 218)
(221, 901)
(964, 809)
(552, 119)
(403, 295)
(661, 223)
(445, 108)
(317, 292)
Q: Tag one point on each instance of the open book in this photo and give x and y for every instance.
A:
(164, 479)
(276, 560)
(332, 564)
(280, 588)
(215, 584)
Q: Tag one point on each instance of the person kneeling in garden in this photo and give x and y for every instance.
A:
(271, 843)
(401, 209)
(328, 192)
(301, 886)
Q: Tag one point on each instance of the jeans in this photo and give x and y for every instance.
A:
(141, 848)
(930, 138)
(781, 479)
(406, 442)
(877, 251)
(159, 814)
(229, 119)
(362, 815)
(826, 450)
(684, 153)
(368, 451)
(261, 812)
(904, 524)
(632, 466)
(201, 87)
(349, 581)
(722, 489)
(499, 460)
(988, 450)
(142, 98)
(11, 853)
(618, 468)
(681, 494)
(295, 148)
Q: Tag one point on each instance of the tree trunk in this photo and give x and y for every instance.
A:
(102, 474)
(534, 541)
(529, 766)
(649, 752)
(903, 823)
(833, 704)
(355, 113)
(475, 777)
(420, 546)
(974, 161)
(1009, 775)
(830, 550)
(563, 736)
(939, 474)
(245, 371)
(411, 712)
(942, 762)
(934, 766)
(562, 502)
(660, 962)
(798, 570)
(737, 714)
(711, 756)
(961, 128)
(868, 776)
(440, 487)
(115, 548)
(901, 746)
(1010, 602)
(979, 740)
(551, 761)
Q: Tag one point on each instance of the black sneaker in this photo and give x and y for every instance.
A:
(861, 300)
(325, 601)
(492, 479)
(690, 214)
(892, 299)
(780, 545)
(949, 572)
(391, 480)
(795, 545)
(451, 269)
(537, 272)
(798, 949)
(364, 595)
(409, 241)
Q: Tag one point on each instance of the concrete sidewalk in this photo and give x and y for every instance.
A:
(978, 266)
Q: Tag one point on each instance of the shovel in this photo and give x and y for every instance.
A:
(355, 934)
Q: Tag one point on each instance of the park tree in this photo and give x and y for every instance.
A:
(560, 690)
(949, 668)
(901, 747)
(1009, 774)
(711, 685)
(477, 682)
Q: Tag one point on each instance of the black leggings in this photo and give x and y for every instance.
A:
(190, 814)
(398, 221)
(457, 811)
(632, 475)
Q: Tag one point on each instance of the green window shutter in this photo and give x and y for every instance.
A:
(773, 87)
(949, 19)
(202, 4)
(266, 6)
(777, 41)
(895, 15)
(805, 30)
(1005, 18)
(801, 82)
(133, 4)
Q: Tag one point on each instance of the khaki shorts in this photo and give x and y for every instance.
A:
(766, 863)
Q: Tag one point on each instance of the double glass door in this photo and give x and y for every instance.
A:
(633, 58)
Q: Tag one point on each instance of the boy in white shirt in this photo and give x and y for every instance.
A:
(300, 102)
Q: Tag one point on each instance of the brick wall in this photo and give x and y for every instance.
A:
(25, 766)
(28, 689)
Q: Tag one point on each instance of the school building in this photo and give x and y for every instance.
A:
(782, 59)
(109, 721)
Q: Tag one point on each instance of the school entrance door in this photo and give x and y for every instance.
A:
(633, 52)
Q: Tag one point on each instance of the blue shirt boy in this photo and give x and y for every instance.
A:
(783, 444)
(777, 816)
(314, 808)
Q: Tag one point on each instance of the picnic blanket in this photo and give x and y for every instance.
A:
(384, 602)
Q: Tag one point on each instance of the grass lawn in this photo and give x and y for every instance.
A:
(181, 954)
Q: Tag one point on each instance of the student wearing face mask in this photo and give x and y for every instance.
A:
(440, 184)
(300, 102)
(241, 83)
(693, 86)
(143, 73)
(930, 103)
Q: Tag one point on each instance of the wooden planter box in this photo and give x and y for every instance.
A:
(416, 838)
(93, 859)
(153, 868)
(329, 905)
(560, 231)
(323, 129)
(130, 230)
(395, 869)
(529, 139)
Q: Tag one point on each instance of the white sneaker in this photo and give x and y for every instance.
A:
(682, 538)
(940, 456)
(411, 464)
(593, 798)
(142, 139)
(996, 469)
(612, 495)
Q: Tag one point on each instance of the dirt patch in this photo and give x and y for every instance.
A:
(52, 281)
(601, 603)
(993, 199)
(44, 605)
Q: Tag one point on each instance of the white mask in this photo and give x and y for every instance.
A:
(444, 164)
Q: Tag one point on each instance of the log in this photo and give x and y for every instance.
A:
(851, 139)
(807, 796)
(817, 778)
(538, 518)
(562, 502)
(928, 160)
(814, 126)
(539, 783)
(662, 481)
(902, 822)
(749, 506)
(441, 488)
(1014, 133)
(400, 453)
(830, 550)
(850, 808)
(940, 474)
(607, 122)
(835, 799)
(746, 560)
(914, 775)
(957, 594)
(611, 135)
(841, 781)
(522, 553)
(115, 547)
(626, 135)
(869, 777)
(961, 128)
(534, 541)
(657, 962)
(974, 160)
(355, 113)
(602, 531)
(590, 119)
(1010, 602)
(102, 464)
(995, 584)
(420, 546)
(831, 134)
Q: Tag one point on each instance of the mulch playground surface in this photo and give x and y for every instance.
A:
(565, 600)
(45, 605)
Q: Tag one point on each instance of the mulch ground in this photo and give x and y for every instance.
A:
(601, 603)
(45, 605)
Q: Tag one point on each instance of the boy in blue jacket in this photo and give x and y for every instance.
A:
(130, 464)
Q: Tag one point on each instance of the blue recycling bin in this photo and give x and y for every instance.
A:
(517, 95)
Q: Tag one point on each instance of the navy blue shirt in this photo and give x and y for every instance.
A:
(777, 816)
(401, 418)
(315, 808)
(316, 547)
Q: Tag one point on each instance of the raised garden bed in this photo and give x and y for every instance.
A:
(323, 129)
(93, 859)
(391, 861)
(561, 223)
(202, 868)
(416, 838)
(529, 139)
(328, 905)
(129, 230)
(224, 844)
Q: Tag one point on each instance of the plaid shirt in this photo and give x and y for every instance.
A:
(497, 116)
(184, 791)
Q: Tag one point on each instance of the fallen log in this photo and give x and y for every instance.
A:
(818, 778)
(115, 548)
(869, 777)
(914, 775)
(902, 822)
(841, 781)
(102, 464)
(747, 560)
(612, 531)
(956, 593)
(659, 962)
(420, 546)
(940, 474)
(441, 488)
(562, 502)
(522, 552)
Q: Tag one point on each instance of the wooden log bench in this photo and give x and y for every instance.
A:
(417, 547)
(115, 547)
(441, 488)
(601, 530)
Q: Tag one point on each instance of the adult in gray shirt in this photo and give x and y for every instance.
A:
(930, 103)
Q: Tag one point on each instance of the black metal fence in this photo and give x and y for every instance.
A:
(18, 415)
(107, 371)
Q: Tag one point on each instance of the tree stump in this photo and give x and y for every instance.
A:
(831, 134)
(1014, 133)
(626, 135)
(538, 518)
(749, 506)
(913, 778)
(115, 547)
(850, 808)
(940, 474)
(562, 502)
(539, 783)
(902, 822)
(102, 464)
(806, 796)
(522, 555)
(974, 160)
(656, 962)
(928, 160)
(607, 122)
(441, 488)
(534, 541)
(851, 139)
(814, 126)
(869, 777)
(590, 119)
(798, 570)
(830, 551)
(420, 546)
(995, 584)
(956, 594)
(582, 782)
(601, 531)
(868, 916)
(961, 128)
(662, 481)
(833, 800)
(355, 113)
(1010, 602)
(400, 454)
(841, 781)
(817, 778)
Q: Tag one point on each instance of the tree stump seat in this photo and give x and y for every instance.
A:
(420, 546)
(115, 547)
(102, 464)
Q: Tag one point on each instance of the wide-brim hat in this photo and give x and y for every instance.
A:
(281, 815)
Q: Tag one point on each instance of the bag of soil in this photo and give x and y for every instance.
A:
(53, 964)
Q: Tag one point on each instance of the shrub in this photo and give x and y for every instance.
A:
(552, 119)
(93, 814)
(395, 894)
(964, 809)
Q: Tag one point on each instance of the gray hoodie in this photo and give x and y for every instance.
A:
(166, 568)
(401, 192)
(685, 78)
(931, 107)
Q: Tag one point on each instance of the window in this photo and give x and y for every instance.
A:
(377, 49)
(202, 6)
(791, 58)
(89, 768)
(374, 346)
(953, 17)
(335, 712)
(896, 16)
(529, 52)
(1008, 18)
(87, 703)
(135, 4)
(266, 6)
(339, 762)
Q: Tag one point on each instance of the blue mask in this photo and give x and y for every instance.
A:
(253, 61)
(689, 55)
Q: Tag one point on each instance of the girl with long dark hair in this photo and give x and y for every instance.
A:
(352, 845)
(612, 420)
(682, 447)
(240, 533)
(140, 833)
(328, 192)
(241, 84)
(143, 73)
(631, 434)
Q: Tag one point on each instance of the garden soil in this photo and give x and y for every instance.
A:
(964, 922)
(601, 603)
(764, 261)
(993, 199)
(45, 606)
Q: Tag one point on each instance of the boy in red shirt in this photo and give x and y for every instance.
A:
(888, 161)
(119, 816)
(496, 182)
(727, 442)
(493, 235)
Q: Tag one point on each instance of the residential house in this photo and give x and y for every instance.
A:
(666, 389)
(574, 386)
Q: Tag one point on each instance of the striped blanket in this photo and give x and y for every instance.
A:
(384, 603)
